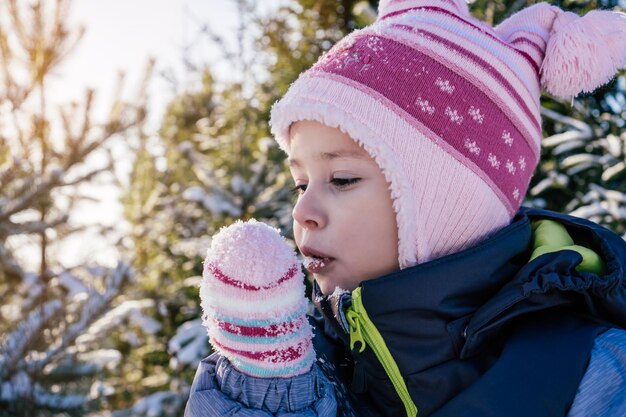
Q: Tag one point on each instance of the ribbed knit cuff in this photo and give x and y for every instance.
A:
(309, 390)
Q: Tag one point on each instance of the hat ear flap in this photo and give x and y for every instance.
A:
(386, 7)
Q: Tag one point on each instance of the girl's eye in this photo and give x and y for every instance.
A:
(299, 189)
(344, 182)
(337, 182)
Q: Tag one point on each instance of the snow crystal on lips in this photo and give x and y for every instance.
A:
(314, 262)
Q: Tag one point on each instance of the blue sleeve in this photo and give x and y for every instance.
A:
(219, 390)
(601, 391)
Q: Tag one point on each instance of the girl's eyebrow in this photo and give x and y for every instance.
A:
(329, 156)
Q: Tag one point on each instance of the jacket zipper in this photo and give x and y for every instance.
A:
(364, 332)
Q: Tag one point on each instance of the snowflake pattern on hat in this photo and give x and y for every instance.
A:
(424, 105)
(444, 85)
(472, 146)
(476, 115)
(453, 115)
(507, 138)
(493, 160)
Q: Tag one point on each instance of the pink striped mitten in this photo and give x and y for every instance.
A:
(252, 294)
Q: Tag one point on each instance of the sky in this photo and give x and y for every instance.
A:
(120, 35)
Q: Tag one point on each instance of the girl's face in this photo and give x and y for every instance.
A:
(344, 222)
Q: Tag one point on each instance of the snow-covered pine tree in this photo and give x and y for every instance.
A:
(214, 160)
(52, 317)
(583, 166)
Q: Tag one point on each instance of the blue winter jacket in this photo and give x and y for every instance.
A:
(483, 332)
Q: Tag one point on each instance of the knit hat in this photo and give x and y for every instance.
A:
(252, 295)
(449, 107)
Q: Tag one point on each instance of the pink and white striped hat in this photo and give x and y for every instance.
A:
(252, 296)
(449, 107)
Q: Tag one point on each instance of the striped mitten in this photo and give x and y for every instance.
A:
(252, 294)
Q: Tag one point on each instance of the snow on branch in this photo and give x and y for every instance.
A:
(128, 309)
(24, 369)
(572, 138)
(74, 286)
(33, 227)
(21, 386)
(189, 345)
(46, 399)
(566, 120)
(15, 343)
(155, 404)
(599, 202)
(74, 365)
(24, 198)
(216, 200)
(95, 305)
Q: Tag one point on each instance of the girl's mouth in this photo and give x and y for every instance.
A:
(317, 265)
(315, 261)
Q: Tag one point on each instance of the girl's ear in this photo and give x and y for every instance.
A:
(579, 53)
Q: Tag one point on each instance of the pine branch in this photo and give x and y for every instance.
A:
(154, 404)
(74, 364)
(95, 305)
(19, 386)
(9, 171)
(25, 199)
(86, 177)
(584, 128)
(15, 344)
(9, 228)
(8, 263)
(47, 399)
(34, 291)
(114, 318)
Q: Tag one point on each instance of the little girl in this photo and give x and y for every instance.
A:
(412, 143)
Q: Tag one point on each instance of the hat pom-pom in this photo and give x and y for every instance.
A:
(583, 53)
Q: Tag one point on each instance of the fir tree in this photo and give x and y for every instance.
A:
(52, 317)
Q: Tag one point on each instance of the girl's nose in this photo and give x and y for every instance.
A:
(308, 212)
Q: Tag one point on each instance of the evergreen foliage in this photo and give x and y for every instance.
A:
(54, 347)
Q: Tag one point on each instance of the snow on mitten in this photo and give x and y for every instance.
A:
(252, 295)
